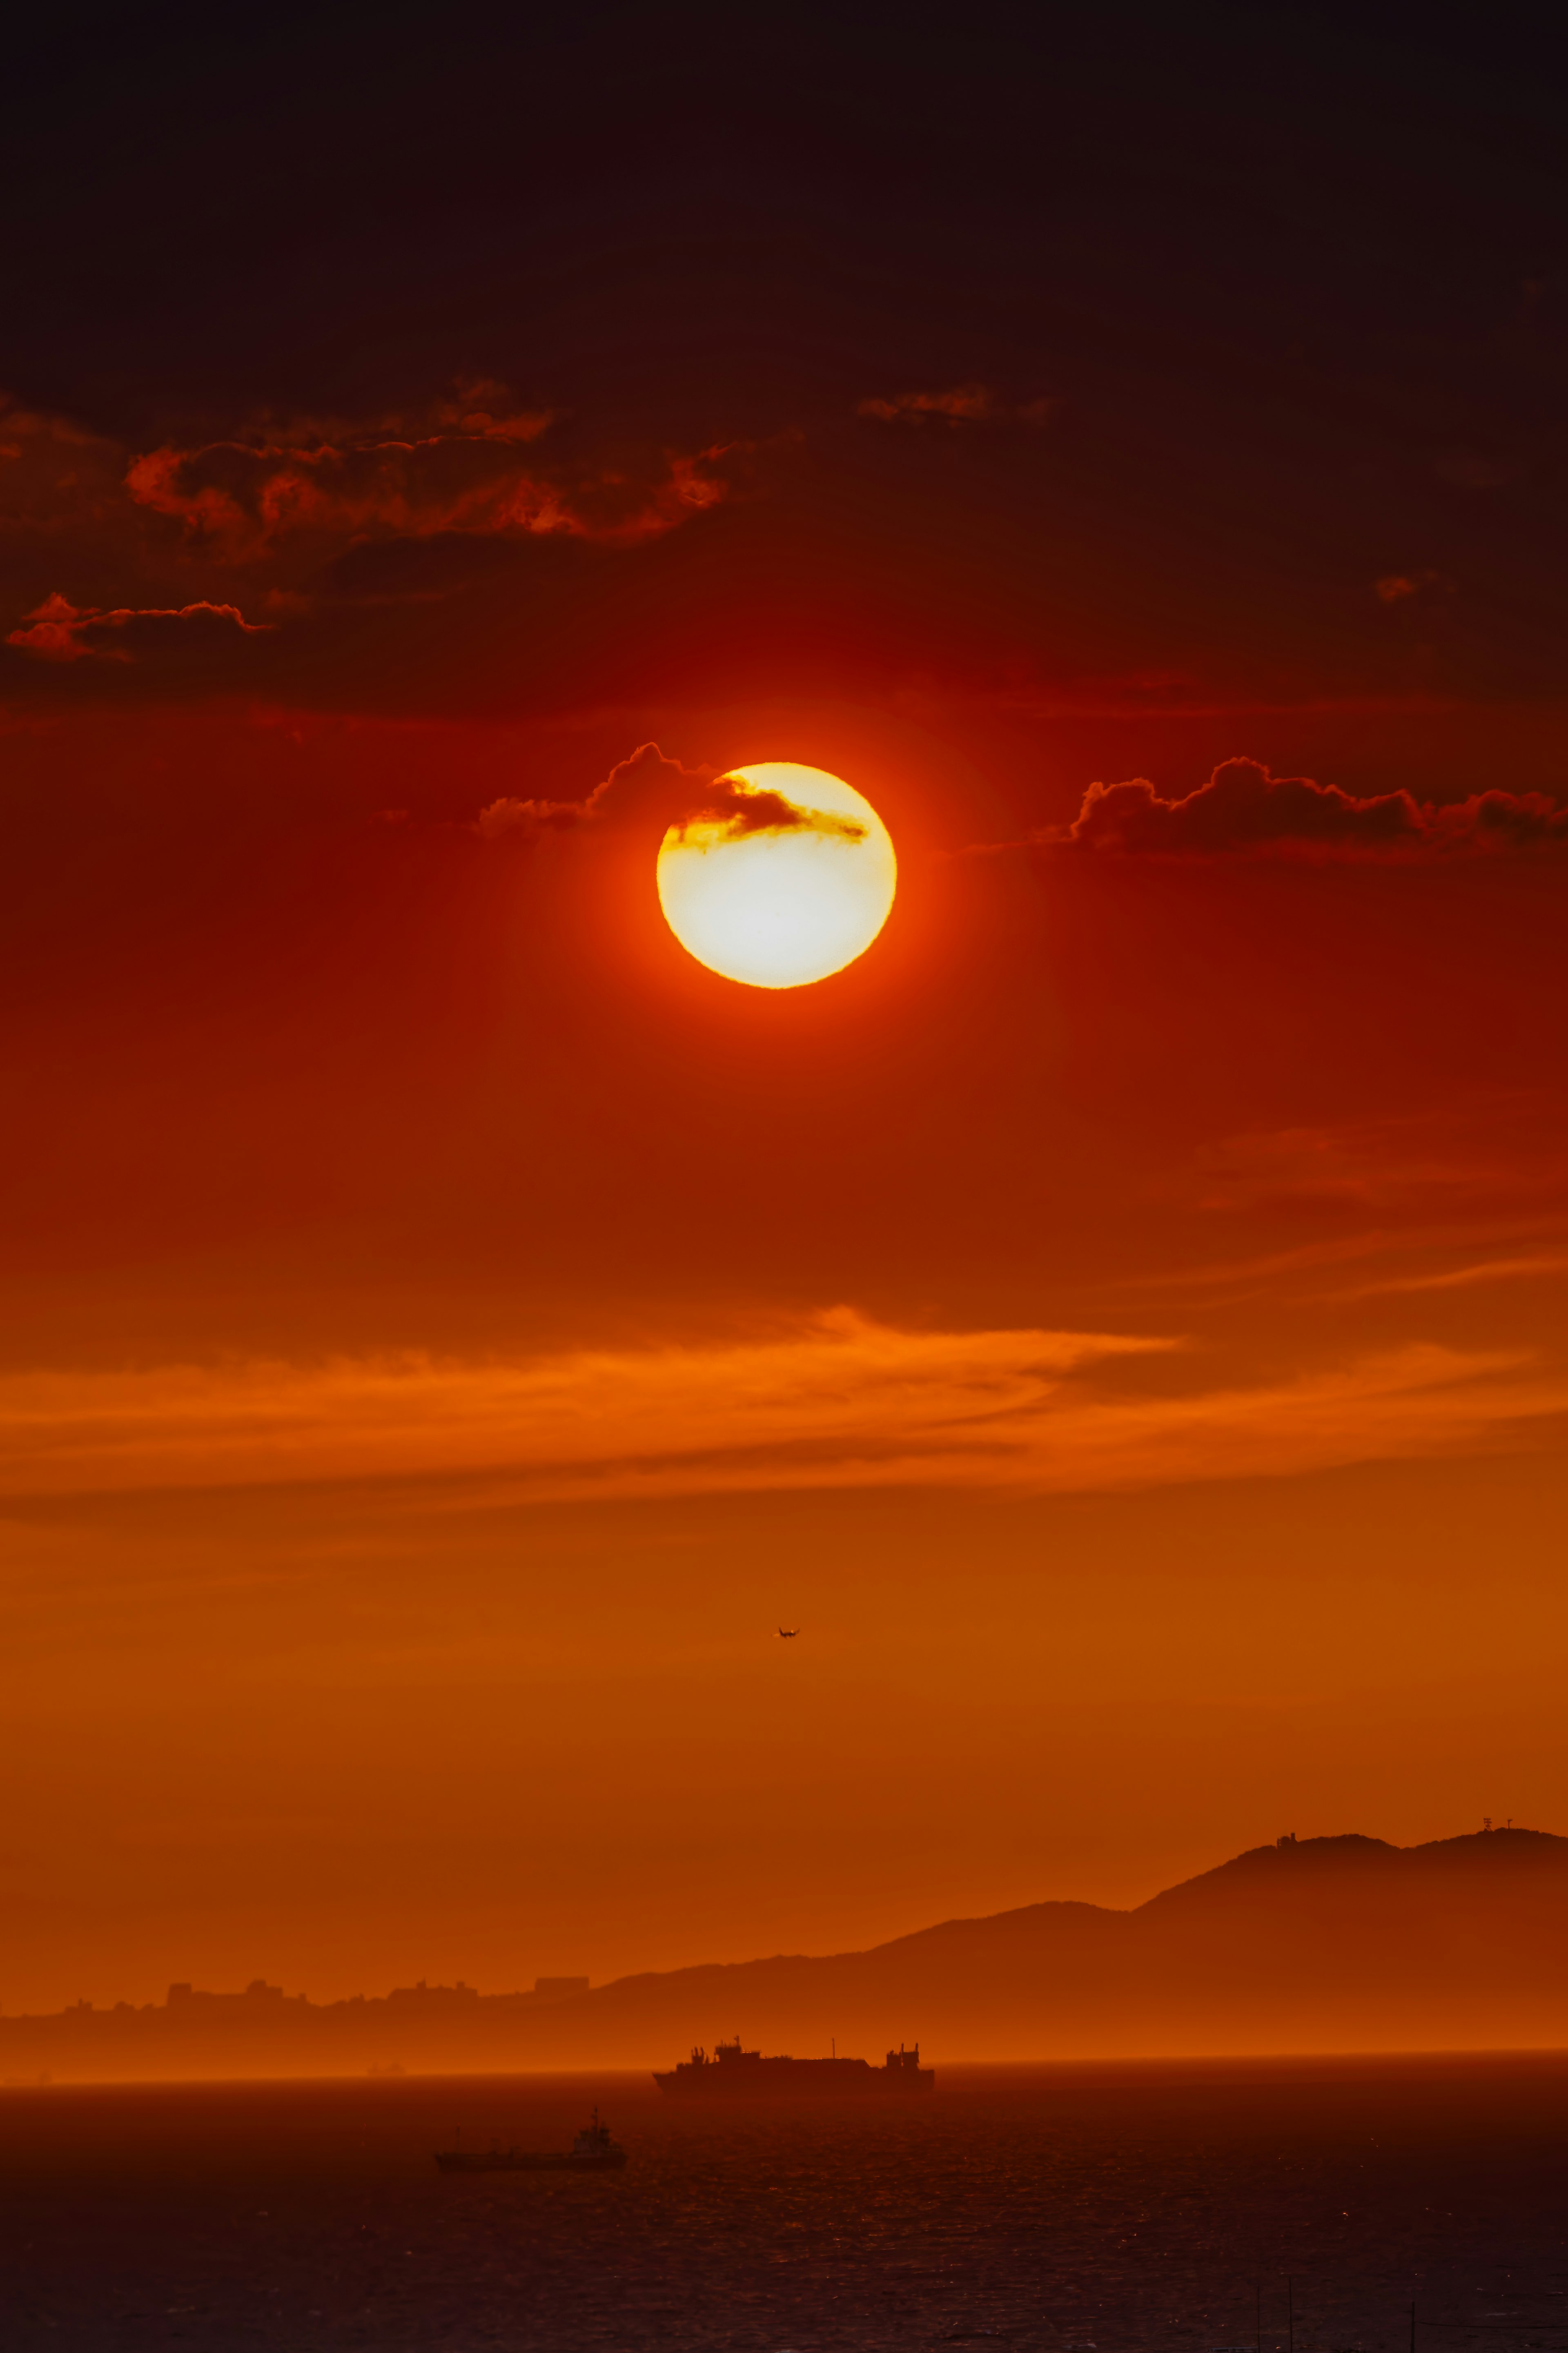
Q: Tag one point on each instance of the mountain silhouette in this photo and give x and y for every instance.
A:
(1344, 1943)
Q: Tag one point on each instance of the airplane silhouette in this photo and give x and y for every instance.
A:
(788, 1633)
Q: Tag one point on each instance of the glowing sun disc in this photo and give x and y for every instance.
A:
(800, 894)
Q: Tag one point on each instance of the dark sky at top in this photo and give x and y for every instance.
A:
(1293, 285)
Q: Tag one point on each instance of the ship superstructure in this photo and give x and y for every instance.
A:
(731, 2069)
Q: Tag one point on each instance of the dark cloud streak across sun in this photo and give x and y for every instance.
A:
(649, 790)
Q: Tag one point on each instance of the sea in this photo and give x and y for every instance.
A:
(1299, 2206)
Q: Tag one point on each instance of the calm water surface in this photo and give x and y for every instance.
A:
(1123, 2208)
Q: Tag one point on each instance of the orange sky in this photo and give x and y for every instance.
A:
(1119, 1320)
(447, 1329)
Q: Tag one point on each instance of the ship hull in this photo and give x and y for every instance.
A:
(794, 2079)
(517, 2160)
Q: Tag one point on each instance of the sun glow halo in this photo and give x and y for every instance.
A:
(777, 904)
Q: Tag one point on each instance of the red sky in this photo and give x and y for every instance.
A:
(448, 1330)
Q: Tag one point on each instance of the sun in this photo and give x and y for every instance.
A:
(789, 876)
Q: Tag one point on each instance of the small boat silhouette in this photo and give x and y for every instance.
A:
(593, 2151)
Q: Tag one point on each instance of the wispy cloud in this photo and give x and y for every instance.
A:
(1469, 1192)
(837, 1401)
(959, 403)
(1393, 587)
(1544, 1264)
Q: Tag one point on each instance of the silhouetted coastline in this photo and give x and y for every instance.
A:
(1325, 1943)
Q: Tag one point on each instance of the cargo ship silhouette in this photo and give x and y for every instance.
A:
(731, 2070)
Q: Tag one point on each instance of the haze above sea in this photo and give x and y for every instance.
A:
(1131, 2208)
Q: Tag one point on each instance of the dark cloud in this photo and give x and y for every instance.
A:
(58, 631)
(649, 790)
(646, 788)
(301, 504)
(1498, 820)
(737, 810)
(342, 532)
(1243, 807)
(461, 470)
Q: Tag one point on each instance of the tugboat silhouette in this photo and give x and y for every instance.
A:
(593, 2151)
